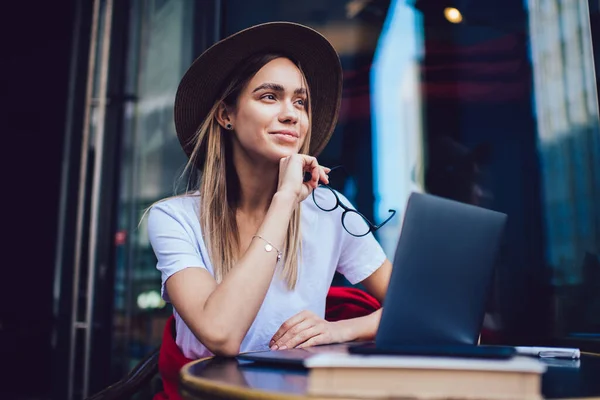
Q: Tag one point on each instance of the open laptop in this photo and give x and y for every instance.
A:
(440, 282)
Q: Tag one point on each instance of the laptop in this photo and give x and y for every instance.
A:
(440, 282)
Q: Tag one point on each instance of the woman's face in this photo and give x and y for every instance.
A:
(270, 119)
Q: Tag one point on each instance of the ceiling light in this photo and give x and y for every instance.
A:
(453, 15)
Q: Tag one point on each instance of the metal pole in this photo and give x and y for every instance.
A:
(95, 195)
(81, 197)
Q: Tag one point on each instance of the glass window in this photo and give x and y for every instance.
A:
(568, 147)
(160, 50)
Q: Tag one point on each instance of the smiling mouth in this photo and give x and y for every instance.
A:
(286, 133)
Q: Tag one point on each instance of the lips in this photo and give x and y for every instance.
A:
(286, 133)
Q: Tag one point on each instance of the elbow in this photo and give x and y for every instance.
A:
(219, 335)
(223, 345)
(227, 350)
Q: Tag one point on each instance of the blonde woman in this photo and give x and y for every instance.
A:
(247, 257)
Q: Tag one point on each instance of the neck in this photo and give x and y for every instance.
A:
(258, 184)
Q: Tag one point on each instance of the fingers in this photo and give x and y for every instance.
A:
(324, 177)
(312, 165)
(302, 336)
(296, 335)
(303, 330)
(311, 174)
(318, 172)
(313, 341)
(287, 325)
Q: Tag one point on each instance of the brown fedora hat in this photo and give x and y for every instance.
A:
(201, 85)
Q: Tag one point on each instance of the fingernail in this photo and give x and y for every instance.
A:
(283, 347)
(274, 347)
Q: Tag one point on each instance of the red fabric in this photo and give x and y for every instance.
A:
(170, 362)
(349, 302)
(342, 303)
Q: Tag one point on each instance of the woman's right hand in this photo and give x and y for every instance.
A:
(291, 175)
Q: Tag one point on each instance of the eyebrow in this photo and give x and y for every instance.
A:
(277, 88)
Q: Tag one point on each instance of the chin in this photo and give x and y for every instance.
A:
(282, 152)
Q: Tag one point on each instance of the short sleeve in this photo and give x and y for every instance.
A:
(173, 242)
(359, 256)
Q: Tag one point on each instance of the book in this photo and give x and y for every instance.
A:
(415, 377)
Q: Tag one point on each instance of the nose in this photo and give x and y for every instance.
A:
(288, 114)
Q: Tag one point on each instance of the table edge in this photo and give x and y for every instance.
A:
(195, 384)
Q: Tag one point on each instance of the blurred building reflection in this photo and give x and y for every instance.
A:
(568, 133)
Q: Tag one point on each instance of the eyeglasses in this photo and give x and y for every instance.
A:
(353, 222)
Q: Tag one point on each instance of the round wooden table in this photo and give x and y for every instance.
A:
(228, 378)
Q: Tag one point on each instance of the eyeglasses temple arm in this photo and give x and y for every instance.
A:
(393, 212)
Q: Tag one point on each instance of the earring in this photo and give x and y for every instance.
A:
(229, 126)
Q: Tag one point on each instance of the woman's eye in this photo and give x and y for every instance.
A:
(301, 102)
(269, 97)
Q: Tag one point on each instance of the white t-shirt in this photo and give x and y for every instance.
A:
(176, 238)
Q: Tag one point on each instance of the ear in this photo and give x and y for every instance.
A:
(225, 116)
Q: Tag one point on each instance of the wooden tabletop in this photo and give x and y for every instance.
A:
(229, 378)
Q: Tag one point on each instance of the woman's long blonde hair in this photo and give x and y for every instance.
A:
(219, 185)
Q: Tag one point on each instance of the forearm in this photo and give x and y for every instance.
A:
(361, 328)
(233, 305)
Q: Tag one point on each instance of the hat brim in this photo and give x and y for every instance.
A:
(200, 86)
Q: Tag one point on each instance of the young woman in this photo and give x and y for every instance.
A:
(246, 256)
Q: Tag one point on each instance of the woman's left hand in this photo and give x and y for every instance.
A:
(306, 329)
